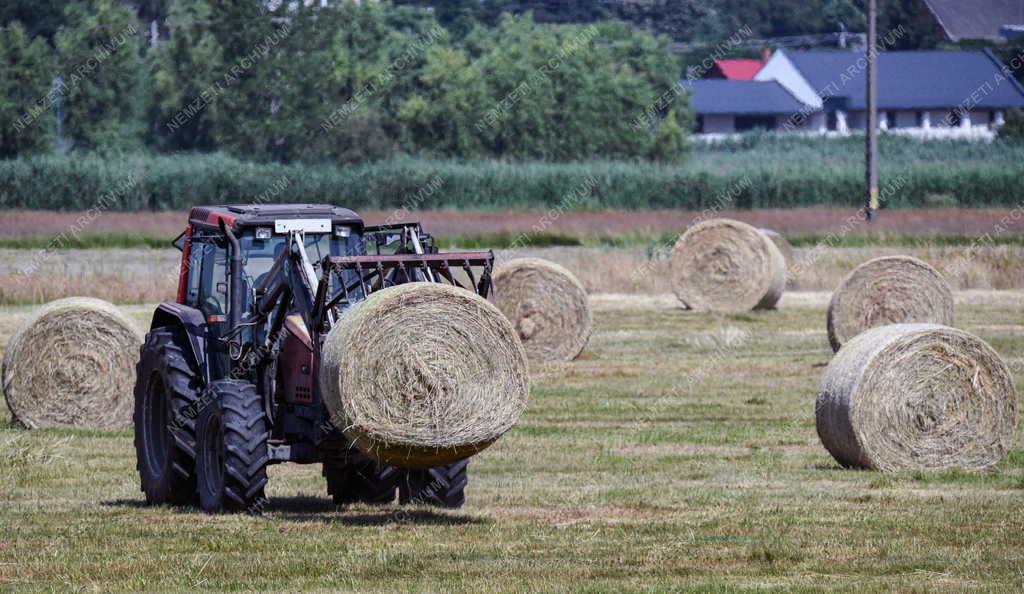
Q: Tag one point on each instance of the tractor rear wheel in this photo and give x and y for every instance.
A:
(167, 388)
(360, 479)
(231, 448)
(441, 486)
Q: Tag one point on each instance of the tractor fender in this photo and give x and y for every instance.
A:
(193, 323)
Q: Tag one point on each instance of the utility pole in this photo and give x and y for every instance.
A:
(871, 136)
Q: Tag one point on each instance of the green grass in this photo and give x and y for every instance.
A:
(677, 454)
(86, 241)
(542, 239)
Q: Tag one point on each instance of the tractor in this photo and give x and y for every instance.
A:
(226, 382)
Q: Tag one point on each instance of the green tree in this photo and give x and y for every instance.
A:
(330, 84)
(249, 37)
(185, 71)
(441, 118)
(26, 74)
(526, 90)
(346, 64)
(100, 70)
(37, 17)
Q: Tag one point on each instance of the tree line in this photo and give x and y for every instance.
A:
(287, 82)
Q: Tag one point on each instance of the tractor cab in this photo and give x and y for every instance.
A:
(262, 233)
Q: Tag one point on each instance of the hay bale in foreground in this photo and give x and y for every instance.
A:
(71, 363)
(727, 266)
(888, 290)
(917, 396)
(423, 374)
(547, 306)
(780, 242)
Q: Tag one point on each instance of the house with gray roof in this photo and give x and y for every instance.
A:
(928, 93)
(725, 106)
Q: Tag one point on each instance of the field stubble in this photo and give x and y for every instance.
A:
(140, 275)
(678, 452)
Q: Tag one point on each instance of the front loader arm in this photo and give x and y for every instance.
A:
(291, 283)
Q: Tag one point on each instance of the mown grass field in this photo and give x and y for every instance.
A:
(678, 453)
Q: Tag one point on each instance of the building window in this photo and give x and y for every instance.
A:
(700, 124)
(831, 120)
(751, 122)
(890, 119)
(919, 119)
(953, 118)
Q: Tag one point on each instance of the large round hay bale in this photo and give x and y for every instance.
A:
(784, 247)
(727, 266)
(547, 306)
(71, 363)
(917, 396)
(423, 374)
(888, 290)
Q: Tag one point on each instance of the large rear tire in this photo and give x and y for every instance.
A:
(441, 486)
(231, 448)
(360, 479)
(167, 389)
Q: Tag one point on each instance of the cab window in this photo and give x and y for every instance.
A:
(208, 276)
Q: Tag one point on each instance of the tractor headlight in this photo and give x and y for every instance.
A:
(263, 233)
(342, 231)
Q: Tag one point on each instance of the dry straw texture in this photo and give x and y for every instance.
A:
(71, 363)
(727, 266)
(784, 247)
(888, 290)
(424, 374)
(917, 396)
(547, 305)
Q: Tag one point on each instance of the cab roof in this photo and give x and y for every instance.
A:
(238, 216)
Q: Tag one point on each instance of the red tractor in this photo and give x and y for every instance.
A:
(226, 384)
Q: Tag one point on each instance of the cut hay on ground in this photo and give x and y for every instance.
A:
(727, 266)
(424, 374)
(784, 247)
(71, 363)
(888, 290)
(917, 396)
(547, 306)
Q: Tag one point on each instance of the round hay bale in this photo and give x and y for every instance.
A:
(780, 242)
(71, 363)
(547, 306)
(917, 396)
(727, 266)
(888, 290)
(423, 374)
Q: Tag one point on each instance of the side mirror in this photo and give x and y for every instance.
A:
(179, 242)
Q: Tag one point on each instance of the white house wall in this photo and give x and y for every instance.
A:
(780, 68)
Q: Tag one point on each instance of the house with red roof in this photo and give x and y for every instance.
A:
(735, 69)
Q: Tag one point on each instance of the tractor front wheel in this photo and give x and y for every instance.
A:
(166, 404)
(231, 448)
